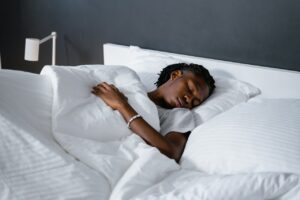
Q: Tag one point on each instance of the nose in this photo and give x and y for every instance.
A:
(188, 99)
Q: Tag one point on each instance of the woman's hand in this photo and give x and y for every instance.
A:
(172, 146)
(110, 95)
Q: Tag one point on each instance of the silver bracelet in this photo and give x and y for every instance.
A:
(131, 119)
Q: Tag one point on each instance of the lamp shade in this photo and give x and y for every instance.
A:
(32, 46)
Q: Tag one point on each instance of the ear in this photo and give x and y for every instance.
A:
(175, 74)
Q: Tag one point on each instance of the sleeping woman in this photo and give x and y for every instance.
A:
(180, 87)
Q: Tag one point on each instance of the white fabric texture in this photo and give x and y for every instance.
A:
(30, 169)
(228, 92)
(177, 119)
(262, 135)
(186, 184)
(78, 112)
(28, 98)
(33, 166)
(148, 65)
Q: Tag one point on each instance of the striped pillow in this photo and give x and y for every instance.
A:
(258, 136)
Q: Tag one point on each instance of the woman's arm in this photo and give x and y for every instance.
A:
(172, 145)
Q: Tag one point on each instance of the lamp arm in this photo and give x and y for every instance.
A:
(32, 47)
(53, 47)
(53, 35)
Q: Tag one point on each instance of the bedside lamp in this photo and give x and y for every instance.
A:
(32, 46)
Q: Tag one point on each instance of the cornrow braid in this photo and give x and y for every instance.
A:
(198, 70)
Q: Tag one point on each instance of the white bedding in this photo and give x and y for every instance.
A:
(78, 112)
(122, 169)
(30, 169)
(262, 135)
(33, 171)
(32, 165)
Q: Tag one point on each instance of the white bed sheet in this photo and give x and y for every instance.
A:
(26, 98)
(33, 166)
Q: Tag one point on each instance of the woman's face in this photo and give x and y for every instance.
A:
(184, 90)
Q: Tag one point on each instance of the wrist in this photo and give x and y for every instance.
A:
(132, 119)
(127, 111)
(123, 106)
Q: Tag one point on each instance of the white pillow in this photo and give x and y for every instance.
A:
(78, 112)
(148, 65)
(228, 92)
(262, 135)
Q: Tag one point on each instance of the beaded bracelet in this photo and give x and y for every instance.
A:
(131, 119)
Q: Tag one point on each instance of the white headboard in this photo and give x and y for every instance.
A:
(274, 83)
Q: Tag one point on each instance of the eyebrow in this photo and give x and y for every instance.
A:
(199, 89)
(202, 89)
(198, 86)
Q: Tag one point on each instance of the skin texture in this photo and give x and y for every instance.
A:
(183, 89)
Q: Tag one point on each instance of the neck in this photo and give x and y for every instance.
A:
(156, 97)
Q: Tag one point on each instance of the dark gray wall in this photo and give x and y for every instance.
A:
(261, 32)
(10, 37)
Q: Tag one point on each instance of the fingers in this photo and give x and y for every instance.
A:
(97, 90)
(114, 87)
(109, 86)
(104, 87)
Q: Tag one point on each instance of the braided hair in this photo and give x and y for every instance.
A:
(198, 70)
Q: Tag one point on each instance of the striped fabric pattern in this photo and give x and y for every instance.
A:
(258, 136)
(32, 170)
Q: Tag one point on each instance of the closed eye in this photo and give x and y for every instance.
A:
(196, 91)
(190, 89)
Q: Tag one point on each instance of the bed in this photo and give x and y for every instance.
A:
(246, 144)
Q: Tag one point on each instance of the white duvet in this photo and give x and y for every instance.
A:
(122, 169)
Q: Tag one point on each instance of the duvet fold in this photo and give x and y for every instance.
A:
(35, 166)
